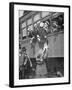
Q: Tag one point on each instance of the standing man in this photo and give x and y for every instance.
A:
(26, 63)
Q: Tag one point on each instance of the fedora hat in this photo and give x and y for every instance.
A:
(23, 49)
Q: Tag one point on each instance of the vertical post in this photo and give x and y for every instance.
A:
(26, 28)
(33, 29)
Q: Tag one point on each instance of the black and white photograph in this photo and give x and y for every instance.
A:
(41, 44)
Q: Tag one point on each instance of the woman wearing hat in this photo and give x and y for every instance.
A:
(26, 63)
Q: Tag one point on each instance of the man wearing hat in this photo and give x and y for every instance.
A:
(26, 63)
